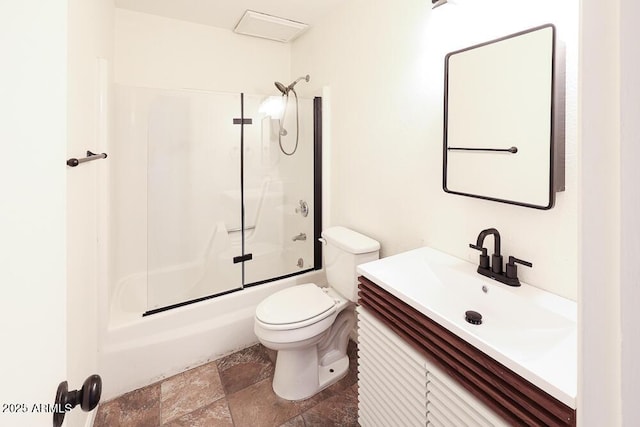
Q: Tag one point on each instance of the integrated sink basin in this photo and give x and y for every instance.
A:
(528, 330)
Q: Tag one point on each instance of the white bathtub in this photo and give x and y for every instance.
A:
(136, 351)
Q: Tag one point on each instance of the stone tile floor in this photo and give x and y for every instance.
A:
(234, 390)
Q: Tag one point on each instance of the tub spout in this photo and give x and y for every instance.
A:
(300, 236)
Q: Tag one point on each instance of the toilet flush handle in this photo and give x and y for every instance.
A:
(322, 240)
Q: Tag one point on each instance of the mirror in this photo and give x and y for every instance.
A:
(500, 120)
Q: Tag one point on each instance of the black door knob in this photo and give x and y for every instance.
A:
(87, 397)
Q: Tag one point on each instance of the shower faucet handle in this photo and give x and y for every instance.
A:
(303, 209)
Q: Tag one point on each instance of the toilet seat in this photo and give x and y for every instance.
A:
(295, 307)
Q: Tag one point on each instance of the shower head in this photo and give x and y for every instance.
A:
(282, 88)
(285, 97)
(285, 89)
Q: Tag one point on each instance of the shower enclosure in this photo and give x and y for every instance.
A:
(211, 204)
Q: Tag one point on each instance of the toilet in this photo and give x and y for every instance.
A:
(309, 325)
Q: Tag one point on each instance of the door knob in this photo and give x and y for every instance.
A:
(87, 397)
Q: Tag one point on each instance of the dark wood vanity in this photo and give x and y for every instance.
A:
(516, 400)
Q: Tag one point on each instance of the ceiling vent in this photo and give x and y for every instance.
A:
(258, 24)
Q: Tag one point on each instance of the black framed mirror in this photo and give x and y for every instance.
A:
(503, 136)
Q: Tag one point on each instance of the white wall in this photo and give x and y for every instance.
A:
(33, 241)
(599, 303)
(154, 51)
(610, 206)
(630, 208)
(384, 65)
(90, 29)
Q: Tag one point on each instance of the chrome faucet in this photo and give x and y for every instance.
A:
(300, 236)
(494, 271)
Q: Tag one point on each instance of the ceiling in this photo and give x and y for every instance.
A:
(226, 13)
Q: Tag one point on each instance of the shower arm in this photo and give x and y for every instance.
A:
(305, 78)
(290, 87)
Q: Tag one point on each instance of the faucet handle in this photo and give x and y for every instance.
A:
(478, 248)
(512, 268)
(484, 258)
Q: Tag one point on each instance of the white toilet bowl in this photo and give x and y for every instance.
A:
(309, 326)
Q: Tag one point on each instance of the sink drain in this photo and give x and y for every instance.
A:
(473, 317)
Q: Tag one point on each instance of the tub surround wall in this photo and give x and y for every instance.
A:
(179, 184)
(386, 135)
(157, 52)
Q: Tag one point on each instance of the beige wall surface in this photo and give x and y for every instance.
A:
(384, 66)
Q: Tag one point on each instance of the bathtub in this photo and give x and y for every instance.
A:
(136, 351)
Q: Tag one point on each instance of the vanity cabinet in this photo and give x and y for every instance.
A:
(399, 386)
(412, 371)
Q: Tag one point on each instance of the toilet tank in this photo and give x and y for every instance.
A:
(345, 249)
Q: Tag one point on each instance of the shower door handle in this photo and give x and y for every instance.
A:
(242, 258)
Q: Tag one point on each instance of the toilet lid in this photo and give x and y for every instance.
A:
(294, 305)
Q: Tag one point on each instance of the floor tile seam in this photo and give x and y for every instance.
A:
(227, 391)
(233, 423)
(246, 387)
(330, 396)
(224, 392)
(227, 396)
(196, 409)
(301, 415)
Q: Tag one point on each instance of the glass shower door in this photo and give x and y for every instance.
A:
(278, 188)
(194, 199)
(188, 168)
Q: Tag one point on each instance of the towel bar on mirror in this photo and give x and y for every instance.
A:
(510, 149)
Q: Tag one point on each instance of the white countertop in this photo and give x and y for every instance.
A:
(528, 330)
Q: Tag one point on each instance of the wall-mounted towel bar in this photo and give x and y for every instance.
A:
(510, 149)
(73, 162)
